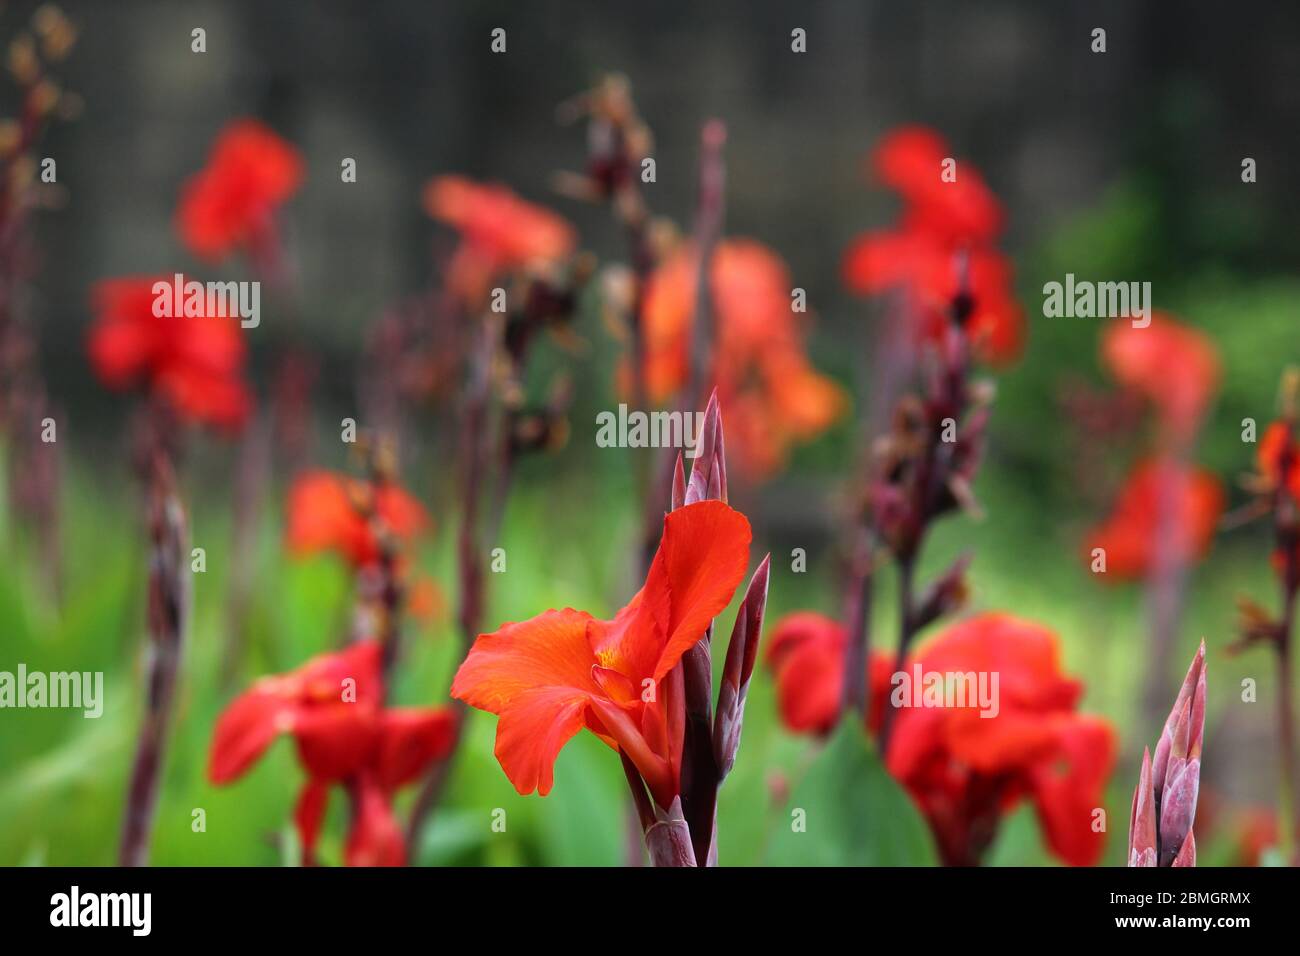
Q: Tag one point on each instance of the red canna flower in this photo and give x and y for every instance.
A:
(941, 220)
(1164, 801)
(231, 202)
(333, 708)
(910, 160)
(499, 232)
(806, 653)
(1278, 459)
(328, 512)
(548, 677)
(1172, 365)
(761, 371)
(193, 364)
(965, 770)
(1129, 534)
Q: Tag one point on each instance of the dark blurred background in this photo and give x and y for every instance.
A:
(410, 89)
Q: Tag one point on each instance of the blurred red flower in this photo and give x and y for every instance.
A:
(499, 231)
(760, 368)
(1278, 458)
(1171, 365)
(194, 364)
(965, 771)
(328, 512)
(333, 708)
(941, 220)
(1130, 533)
(965, 211)
(231, 202)
(550, 676)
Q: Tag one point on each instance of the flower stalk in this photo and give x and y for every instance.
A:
(168, 616)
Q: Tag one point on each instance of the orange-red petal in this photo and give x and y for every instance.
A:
(536, 676)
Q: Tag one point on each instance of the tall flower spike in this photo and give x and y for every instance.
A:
(699, 773)
(679, 484)
(1164, 803)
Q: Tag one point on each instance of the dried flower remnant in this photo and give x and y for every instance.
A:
(966, 771)
(618, 144)
(641, 681)
(33, 461)
(1164, 801)
(333, 707)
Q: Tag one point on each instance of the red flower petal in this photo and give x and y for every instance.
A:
(1173, 365)
(376, 839)
(246, 728)
(806, 651)
(536, 676)
(1129, 535)
(230, 202)
(701, 560)
(309, 813)
(336, 741)
(410, 739)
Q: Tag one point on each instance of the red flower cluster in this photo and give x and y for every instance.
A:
(773, 394)
(1193, 499)
(231, 202)
(964, 770)
(194, 364)
(345, 736)
(329, 512)
(499, 232)
(941, 220)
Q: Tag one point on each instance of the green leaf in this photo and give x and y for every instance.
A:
(1019, 841)
(584, 820)
(854, 813)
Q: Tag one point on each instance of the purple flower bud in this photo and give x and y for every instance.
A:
(708, 473)
(742, 652)
(679, 484)
(1142, 819)
(1166, 737)
(1164, 804)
